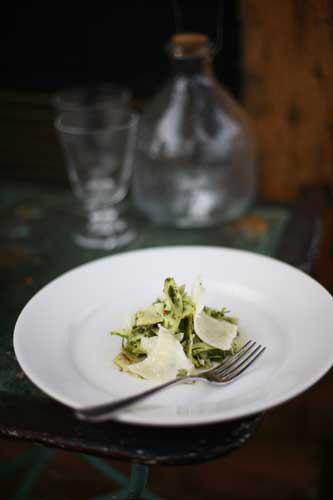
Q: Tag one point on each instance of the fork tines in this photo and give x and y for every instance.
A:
(237, 363)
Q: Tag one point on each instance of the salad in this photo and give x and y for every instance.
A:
(177, 335)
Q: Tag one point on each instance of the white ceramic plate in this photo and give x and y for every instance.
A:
(61, 337)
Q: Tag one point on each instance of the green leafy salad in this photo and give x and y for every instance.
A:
(177, 335)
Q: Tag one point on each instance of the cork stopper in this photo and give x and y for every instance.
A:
(188, 44)
(189, 39)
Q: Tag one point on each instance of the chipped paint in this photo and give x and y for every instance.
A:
(22, 231)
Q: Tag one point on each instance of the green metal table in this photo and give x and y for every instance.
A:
(37, 223)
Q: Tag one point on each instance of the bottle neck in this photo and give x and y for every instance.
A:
(196, 65)
(191, 54)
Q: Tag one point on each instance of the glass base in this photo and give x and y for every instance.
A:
(105, 231)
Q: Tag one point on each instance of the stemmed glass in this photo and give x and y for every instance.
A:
(98, 139)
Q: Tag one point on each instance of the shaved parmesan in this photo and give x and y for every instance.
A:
(215, 332)
(198, 295)
(165, 357)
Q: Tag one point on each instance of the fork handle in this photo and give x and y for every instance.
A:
(101, 413)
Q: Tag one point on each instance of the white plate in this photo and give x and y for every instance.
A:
(61, 337)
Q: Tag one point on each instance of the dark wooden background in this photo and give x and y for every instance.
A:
(277, 57)
(288, 91)
(45, 49)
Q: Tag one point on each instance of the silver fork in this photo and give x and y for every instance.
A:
(222, 374)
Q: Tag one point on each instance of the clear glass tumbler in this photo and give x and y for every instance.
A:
(98, 145)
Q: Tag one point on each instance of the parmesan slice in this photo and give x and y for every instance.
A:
(198, 295)
(215, 332)
(165, 357)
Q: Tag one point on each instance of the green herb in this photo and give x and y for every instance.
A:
(221, 314)
(175, 311)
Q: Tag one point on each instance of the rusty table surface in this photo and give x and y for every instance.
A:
(37, 222)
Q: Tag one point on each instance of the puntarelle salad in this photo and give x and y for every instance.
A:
(177, 335)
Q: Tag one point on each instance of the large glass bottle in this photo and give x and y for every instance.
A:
(195, 159)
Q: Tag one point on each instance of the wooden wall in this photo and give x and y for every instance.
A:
(29, 147)
(288, 91)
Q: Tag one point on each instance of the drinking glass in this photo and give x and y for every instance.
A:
(98, 144)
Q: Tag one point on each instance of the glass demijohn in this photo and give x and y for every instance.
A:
(195, 157)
